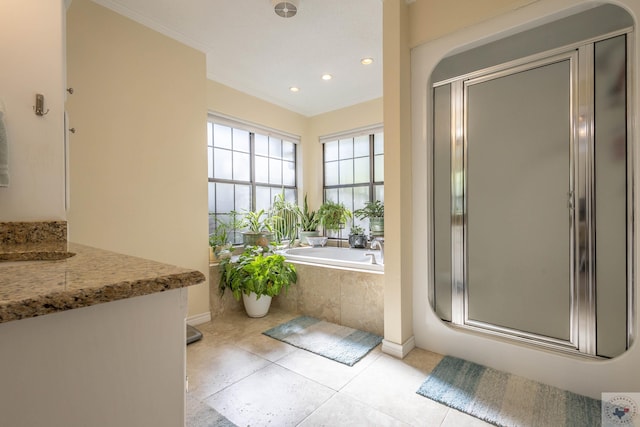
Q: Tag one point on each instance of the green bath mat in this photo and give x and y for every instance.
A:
(507, 400)
(340, 343)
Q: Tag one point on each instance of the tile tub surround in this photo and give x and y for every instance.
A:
(345, 297)
(92, 276)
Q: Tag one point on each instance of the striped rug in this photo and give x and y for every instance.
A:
(340, 343)
(507, 400)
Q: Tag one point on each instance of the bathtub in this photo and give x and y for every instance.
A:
(336, 257)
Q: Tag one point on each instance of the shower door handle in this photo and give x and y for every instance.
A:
(570, 204)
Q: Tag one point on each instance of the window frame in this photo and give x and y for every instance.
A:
(252, 129)
(371, 184)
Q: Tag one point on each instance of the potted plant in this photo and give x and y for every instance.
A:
(259, 230)
(284, 220)
(333, 216)
(374, 212)
(257, 275)
(222, 239)
(357, 238)
(309, 222)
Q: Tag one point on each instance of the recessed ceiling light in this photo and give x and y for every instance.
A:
(327, 77)
(294, 89)
(366, 61)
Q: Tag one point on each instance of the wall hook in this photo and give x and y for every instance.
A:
(39, 107)
(72, 130)
(70, 90)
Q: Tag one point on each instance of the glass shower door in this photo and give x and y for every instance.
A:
(518, 201)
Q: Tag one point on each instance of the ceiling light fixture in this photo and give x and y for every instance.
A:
(327, 76)
(285, 9)
(366, 61)
(294, 89)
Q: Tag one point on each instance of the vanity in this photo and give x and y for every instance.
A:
(88, 336)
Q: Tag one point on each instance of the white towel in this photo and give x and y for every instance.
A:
(4, 151)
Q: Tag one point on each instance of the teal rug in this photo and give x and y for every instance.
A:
(507, 400)
(340, 343)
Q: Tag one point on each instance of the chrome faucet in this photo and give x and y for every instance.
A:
(378, 243)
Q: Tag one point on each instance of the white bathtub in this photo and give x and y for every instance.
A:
(336, 257)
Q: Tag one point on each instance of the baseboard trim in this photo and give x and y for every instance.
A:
(199, 319)
(397, 350)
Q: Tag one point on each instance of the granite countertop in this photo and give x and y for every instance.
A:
(74, 276)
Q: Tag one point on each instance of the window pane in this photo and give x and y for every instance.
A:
(346, 172)
(262, 169)
(209, 134)
(361, 146)
(275, 171)
(263, 198)
(224, 198)
(290, 195)
(331, 194)
(289, 173)
(330, 151)
(380, 192)
(288, 151)
(345, 195)
(378, 168)
(241, 140)
(361, 170)
(222, 164)
(210, 158)
(275, 148)
(241, 166)
(222, 136)
(212, 197)
(378, 143)
(360, 197)
(331, 173)
(243, 198)
(346, 148)
(262, 144)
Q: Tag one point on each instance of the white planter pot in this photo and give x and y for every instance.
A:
(256, 307)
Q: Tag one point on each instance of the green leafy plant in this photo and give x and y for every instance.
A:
(333, 216)
(284, 218)
(254, 222)
(356, 230)
(309, 220)
(256, 270)
(225, 230)
(370, 210)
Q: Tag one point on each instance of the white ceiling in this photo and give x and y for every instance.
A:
(251, 49)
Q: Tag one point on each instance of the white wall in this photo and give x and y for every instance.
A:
(589, 377)
(32, 46)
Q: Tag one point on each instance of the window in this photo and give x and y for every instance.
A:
(248, 167)
(354, 171)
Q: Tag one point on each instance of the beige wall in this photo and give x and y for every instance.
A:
(398, 329)
(138, 161)
(429, 20)
(32, 46)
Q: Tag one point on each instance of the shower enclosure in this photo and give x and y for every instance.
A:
(532, 186)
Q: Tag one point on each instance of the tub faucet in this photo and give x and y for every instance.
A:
(378, 243)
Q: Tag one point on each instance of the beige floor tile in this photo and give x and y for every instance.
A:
(211, 367)
(266, 347)
(273, 396)
(343, 410)
(456, 418)
(389, 385)
(327, 372)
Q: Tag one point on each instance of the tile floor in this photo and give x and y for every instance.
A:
(253, 380)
